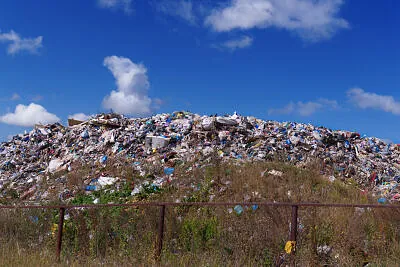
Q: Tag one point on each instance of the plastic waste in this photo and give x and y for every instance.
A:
(90, 188)
(103, 181)
(169, 171)
(85, 134)
(34, 219)
(275, 173)
(103, 159)
(238, 209)
(156, 141)
(54, 165)
(382, 200)
(290, 246)
(167, 139)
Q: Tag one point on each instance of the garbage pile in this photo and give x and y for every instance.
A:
(28, 159)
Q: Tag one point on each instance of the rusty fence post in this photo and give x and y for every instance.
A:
(290, 247)
(293, 226)
(160, 233)
(60, 232)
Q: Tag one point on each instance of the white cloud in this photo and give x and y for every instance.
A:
(18, 44)
(179, 8)
(241, 42)
(333, 104)
(288, 109)
(130, 97)
(366, 100)
(305, 108)
(121, 102)
(125, 5)
(79, 116)
(29, 116)
(308, 108)
(312, 20)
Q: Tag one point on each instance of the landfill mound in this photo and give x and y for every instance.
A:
(48, 153)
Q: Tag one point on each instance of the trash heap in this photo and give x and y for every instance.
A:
(28, 159)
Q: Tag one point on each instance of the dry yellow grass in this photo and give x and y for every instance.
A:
(215, 236)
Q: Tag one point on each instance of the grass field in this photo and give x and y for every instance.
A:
(212, 236)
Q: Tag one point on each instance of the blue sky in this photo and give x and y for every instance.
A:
(330, 62)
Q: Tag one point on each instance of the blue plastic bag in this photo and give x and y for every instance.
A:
(169, 171)
(382, 200)
(90, 188)
(238, 209)
(103, 159)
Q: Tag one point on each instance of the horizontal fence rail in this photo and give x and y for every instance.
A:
(174, 204)
(159, 241)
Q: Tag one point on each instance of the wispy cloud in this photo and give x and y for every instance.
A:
(125, 5)
(311, 20)
(305, 108)
(15, 96)
(131, 96)
(333, 104)
(29, 116)
(288, 109)
(18, 44)
(242, 42)
(37, 98)
(367, 100)
(183, 9)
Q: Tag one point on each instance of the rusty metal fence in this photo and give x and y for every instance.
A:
(164, 205)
